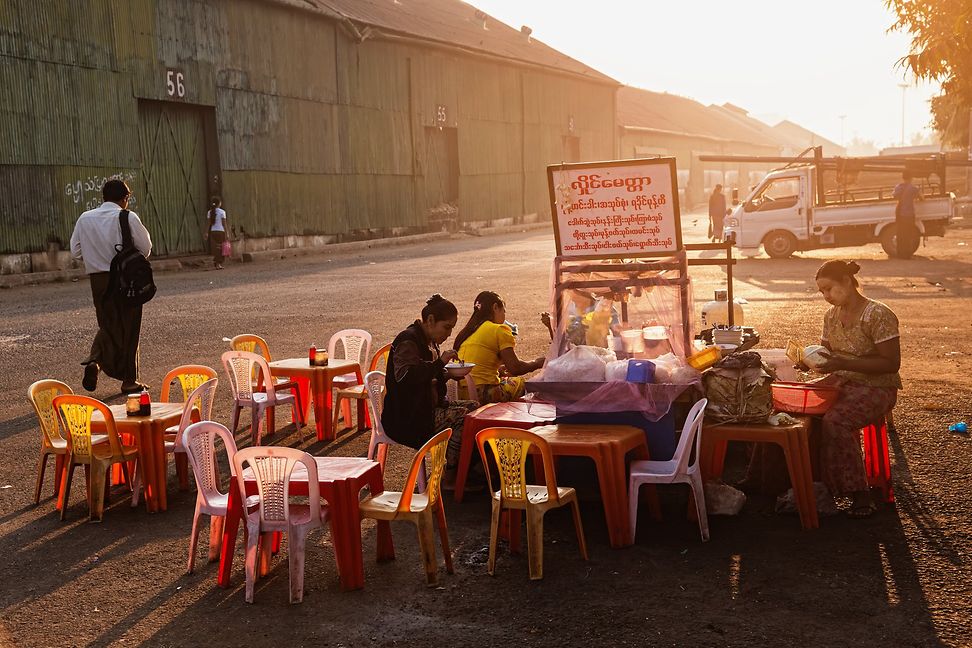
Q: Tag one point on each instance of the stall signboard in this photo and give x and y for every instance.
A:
(622, 209)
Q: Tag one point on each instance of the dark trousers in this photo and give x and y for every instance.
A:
(216, 239)
(115, 347)
(907, 237)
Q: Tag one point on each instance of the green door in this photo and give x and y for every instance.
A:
(173, 204)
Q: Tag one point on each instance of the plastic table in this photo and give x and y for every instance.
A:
(341, 480)
(794, 439)
(320, 381)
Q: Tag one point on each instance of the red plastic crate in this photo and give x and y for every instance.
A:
(803, 398)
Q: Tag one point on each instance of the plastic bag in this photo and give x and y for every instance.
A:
(722, 499)
(616, 370)
(226, 249)
(785, 503)
(580, 364)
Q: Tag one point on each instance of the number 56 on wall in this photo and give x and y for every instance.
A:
(175, 83)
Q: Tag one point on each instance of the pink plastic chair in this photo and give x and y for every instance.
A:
(273, 468)
(198, 441)
(355, 345)
(202, 398)
(378, 446)
(674, 471)
(240, 367)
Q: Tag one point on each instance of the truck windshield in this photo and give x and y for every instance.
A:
(779, 193)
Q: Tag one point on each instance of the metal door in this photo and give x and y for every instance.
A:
(173, 200)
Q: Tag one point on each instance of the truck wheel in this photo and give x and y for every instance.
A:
(889, 241)
(780, 244)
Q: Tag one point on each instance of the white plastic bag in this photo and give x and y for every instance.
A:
(616, 370)
(786, 503)
(722, 499)
(580, 364)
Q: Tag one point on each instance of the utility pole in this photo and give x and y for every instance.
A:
(904, 87)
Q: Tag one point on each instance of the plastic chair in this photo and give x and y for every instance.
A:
(355, 345)
(417, 507)
(188, 377)
(240, 366)
(256, 344)
(358, 392)
(877, 458)
(272, 467)
(42, 395)
(510, 448)
(674, 471)
(75, 413)
(199, 441)
(378, 445)
(202, 399)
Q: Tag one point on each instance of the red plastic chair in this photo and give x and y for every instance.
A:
(877, 458)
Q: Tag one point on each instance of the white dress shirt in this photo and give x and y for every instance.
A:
(219, 221)
(98, 231)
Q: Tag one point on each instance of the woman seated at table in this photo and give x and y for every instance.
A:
(862, 335)
(488, 342)
(415, 407)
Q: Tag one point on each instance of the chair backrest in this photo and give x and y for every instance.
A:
(510, 448)
(251, 343)
(189, 377)
(691, 430)
(202, 399)
(435, 450)
(240, 367)
(42, 395)
(75, 413)
(355, 345)
(379, 361)
(272, 467)
(199, 440)
(375, 387)
(452, 389)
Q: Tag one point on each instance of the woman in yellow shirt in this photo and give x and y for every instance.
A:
(488, 342)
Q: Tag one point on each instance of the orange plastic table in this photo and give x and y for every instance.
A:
(794, 439)
(148, 433)
(607, 445)
(341, 480)
(320, 380)
(515, 415)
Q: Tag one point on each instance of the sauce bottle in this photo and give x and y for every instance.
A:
(145, 404)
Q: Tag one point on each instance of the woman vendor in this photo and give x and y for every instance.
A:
(862, 336)
(489, 343)
(415, 408)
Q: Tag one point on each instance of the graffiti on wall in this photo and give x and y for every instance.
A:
(86, 192)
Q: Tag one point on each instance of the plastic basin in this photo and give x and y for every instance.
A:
(803, 398)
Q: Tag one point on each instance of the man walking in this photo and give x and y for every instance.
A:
(97, 237)
(717, 213)
(906, 232)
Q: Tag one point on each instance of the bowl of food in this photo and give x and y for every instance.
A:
(459, 369)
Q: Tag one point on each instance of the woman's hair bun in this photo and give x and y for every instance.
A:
(853, 268)
(435, 299)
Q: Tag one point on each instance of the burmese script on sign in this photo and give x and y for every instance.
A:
(615, 211)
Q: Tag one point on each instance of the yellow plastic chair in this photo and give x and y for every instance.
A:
(510, 450)
(417, 508)
(42, 395)
(189, 377)
(359, 392)
(256, 344)
(75, 413)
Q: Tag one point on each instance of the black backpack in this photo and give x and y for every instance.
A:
(131, 273)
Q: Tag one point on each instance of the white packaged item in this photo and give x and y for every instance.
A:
(580, 364)
(616, 370)
(814, 356)
(722, 499)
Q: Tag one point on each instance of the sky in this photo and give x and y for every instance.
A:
(809, 62)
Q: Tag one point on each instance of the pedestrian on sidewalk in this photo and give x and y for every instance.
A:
(217, 231)
(717, 213)
(96, 239)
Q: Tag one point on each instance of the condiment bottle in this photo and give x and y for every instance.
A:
(312, 355)
(132, 405)
(145, 404)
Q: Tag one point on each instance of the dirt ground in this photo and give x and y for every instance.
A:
(901, 578)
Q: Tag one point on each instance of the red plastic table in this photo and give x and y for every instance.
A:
(521, 415)
(341, 480)
(321, 382)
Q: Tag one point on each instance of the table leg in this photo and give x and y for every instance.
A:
(148, 465)
(234, 513)
(317, 396)
(795, 477)
(328, 387)
(465, 458)
(347, 547)
(158, 445)
(613, 496)
(804, 436)
(801, 460)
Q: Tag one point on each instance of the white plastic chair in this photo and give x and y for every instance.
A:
(674, 471)
(355, 345)
(198, 441)
(273, 468)
(240, 366)
(378, 446)
(202, 397)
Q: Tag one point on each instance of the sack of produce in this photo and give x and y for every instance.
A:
(738, 389)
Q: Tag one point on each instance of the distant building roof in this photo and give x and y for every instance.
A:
(670, 113)
(802, 138)
(451, 23)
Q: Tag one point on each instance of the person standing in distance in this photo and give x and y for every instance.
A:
(907, 235)
(97, 237)
(717, 213)
(217, 231)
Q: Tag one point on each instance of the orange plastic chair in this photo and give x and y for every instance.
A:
(256, 344)
(42, 395)
(359, 393)
(417, 508)
(75, 413)
(189, 377)
(510, 448)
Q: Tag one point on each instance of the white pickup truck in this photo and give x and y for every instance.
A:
(790, 211)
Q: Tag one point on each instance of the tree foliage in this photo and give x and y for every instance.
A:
(941, 50)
